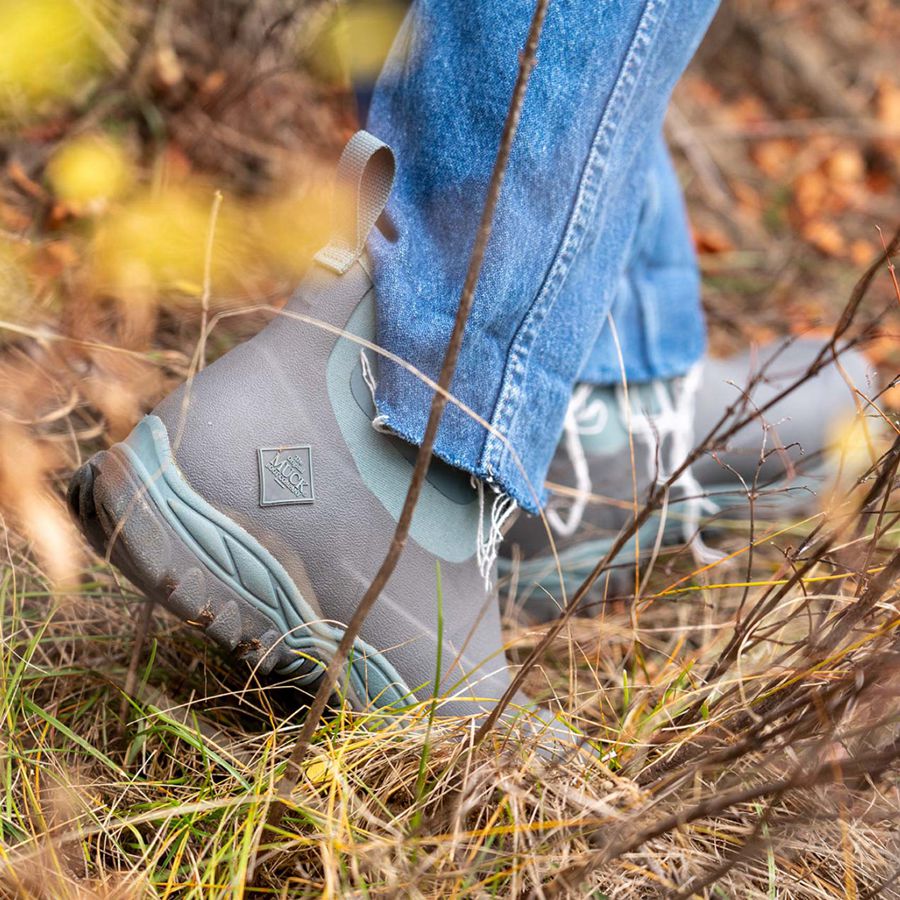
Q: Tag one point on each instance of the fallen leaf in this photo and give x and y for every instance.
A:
(774, 158)
(861, 253)
(747, 109)
(711, 240)
(887, 102)
(846, 165)
(810, 192)
(825, 237)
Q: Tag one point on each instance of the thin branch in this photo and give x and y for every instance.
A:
(823, 358)
(291, 775)
(828, 772)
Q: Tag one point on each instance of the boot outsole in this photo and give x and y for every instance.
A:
(136, 509)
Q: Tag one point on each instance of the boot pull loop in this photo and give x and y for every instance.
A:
(366, 172)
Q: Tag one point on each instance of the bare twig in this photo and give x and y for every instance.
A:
(207, 279)
(291, 774)
(822, 359)
(827, 772)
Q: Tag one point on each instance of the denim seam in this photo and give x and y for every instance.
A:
(578, 225)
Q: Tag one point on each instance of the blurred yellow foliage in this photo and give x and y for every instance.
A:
(852, 448)
(356, 40)
(294, 224)
(49, 49)
(157, 242)
(89, 171)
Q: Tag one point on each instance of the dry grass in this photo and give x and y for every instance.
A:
(745, 716)
(773, 775)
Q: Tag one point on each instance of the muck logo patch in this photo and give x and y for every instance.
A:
(285, 475)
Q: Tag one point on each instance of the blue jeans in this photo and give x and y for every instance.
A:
(590, 241)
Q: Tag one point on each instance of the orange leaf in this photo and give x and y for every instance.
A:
(862, 253)
(711, 240)
(810, 192)
(825, 237)
(887, 103)
(846, 165)
(774, 157)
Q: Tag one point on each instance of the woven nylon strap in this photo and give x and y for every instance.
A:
(366, 172)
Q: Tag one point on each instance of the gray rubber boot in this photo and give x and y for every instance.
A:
(594, 462)
(258, 501)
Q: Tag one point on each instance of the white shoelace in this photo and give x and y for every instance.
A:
(583, 416)
(672, 425)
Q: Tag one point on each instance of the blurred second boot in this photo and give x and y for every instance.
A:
(619, 441)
